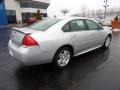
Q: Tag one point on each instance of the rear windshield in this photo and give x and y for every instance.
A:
(43, 25)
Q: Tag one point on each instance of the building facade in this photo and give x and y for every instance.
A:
(19, 10)
(3, 17)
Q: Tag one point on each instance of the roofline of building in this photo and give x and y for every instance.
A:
(33, 1)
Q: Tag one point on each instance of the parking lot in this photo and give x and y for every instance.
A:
(96, 70)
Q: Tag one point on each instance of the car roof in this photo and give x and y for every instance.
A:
(75, 17)
(71, 18)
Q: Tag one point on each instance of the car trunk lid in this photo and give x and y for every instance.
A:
(17, 34)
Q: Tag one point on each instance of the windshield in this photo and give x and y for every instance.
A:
(43, 25)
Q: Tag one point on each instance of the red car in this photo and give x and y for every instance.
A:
(30, 21)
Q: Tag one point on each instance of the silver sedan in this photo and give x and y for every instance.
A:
(57, 40)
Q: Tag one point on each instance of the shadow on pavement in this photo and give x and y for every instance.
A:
(46, 77)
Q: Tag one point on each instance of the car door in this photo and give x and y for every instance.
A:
(81, 36)
(97, 33)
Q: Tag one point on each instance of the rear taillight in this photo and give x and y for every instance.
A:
(29, 41)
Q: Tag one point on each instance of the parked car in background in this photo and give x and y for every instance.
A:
(30, 21)
(107, 22)
(57, 40)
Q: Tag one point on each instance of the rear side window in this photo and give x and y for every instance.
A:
(66, 28)
(92, 25)
(44, 24)
(77, 25)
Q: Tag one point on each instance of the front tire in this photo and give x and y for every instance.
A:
(62, 57)
(107, 42)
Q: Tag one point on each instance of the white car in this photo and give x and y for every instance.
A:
(107, 22)
(57, 40)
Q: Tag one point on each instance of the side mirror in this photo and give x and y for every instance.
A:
(101, 28)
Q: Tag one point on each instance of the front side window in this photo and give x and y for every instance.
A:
(77, 25)
(92, 25)
(44, 24)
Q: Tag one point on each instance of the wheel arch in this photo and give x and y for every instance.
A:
(110, 35)
(66, 45)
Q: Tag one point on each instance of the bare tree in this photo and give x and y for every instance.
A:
(65, 11)
(88, 13)
(110, 12)
(92, 13)
(83, 10)
(99, 13)
(118, 12)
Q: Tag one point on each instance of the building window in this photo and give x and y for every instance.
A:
(1, 5)
(25, 5)
(34, 5)
(11, 15)
(28, 15)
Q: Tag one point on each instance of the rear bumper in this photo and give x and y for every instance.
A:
(29, 56)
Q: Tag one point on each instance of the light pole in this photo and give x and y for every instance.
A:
(105, 6)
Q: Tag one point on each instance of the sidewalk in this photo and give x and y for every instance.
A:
(17, 25)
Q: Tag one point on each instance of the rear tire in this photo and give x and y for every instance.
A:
(62, 57)
(107, 42)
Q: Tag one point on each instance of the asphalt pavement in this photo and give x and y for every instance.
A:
(96, 70)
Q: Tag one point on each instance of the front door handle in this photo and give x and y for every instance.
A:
(73, 36)
(93, 33)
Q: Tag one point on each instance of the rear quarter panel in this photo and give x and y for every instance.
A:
(50, 42)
